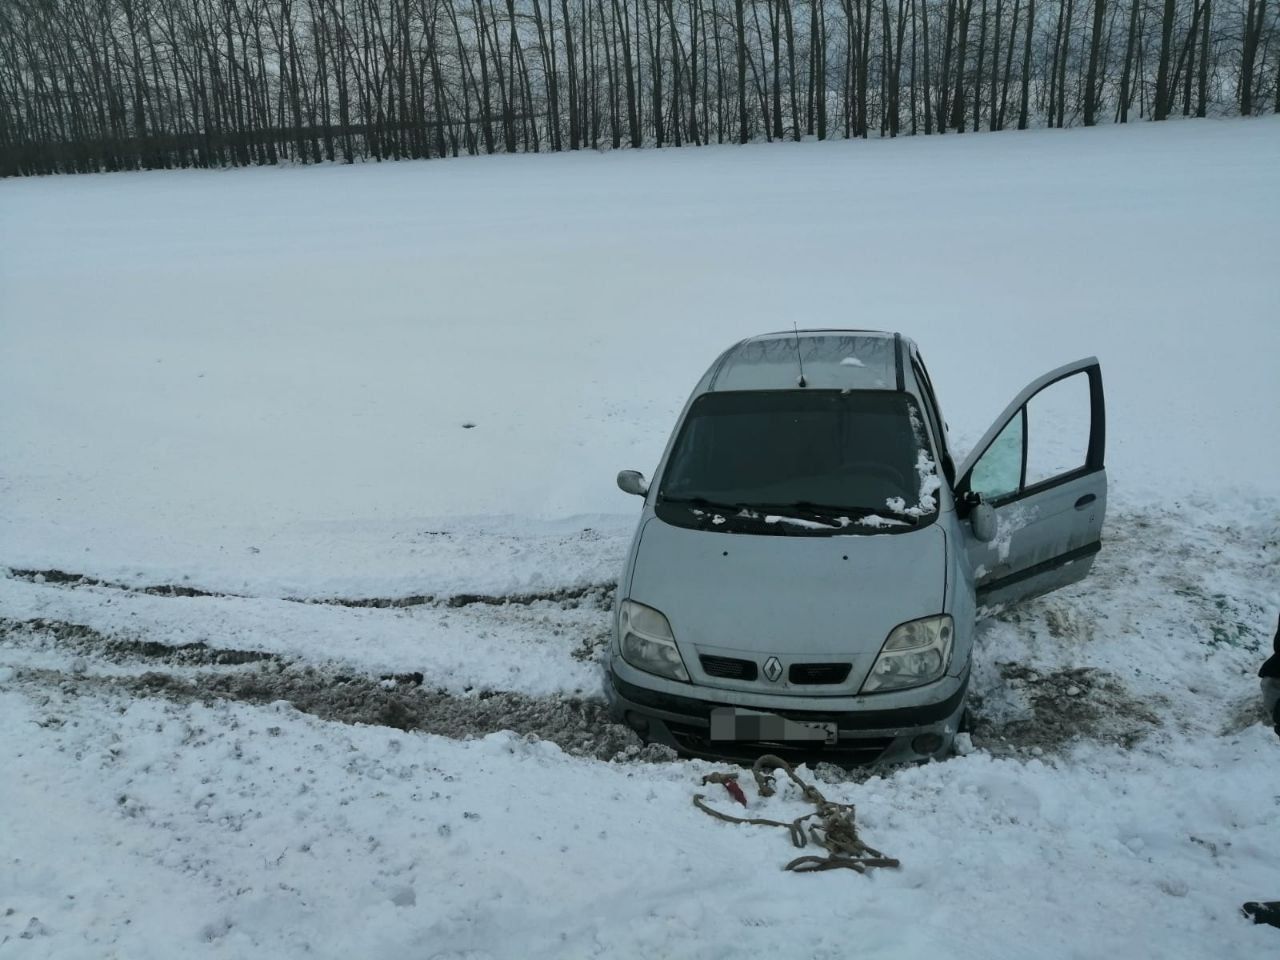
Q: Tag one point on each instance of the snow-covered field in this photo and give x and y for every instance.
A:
(235, 471)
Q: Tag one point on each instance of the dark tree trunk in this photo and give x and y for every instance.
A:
(792, 80)
(1024, 100)
(1202, 91)
(958, 101)
(550, 75)
(977, 73)
(1255, 16)
(1008, 64)
(1126, 72)
(895, 76)
(775, 41)
(1062, 64)
(740, 27)
(821, 70)
(915, 117)
(944, 81)
(993, 121)
(654, 32)
(676, 108)
(1091, 76)
(925, 93)
(575, 131)
(864, 66)
(721, 89)
(1163, 92)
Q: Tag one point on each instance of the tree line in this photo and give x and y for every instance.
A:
(90, 85)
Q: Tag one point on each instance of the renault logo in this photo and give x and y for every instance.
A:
(772, 669)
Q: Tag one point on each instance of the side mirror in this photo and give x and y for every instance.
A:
(633, 481)
(982, 518)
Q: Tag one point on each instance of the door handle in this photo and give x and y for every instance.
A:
(1084, 501)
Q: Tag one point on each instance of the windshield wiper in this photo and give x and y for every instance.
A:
(884, 513)
(702, 503)
(804, 510)
(825, 513)
(750, 513)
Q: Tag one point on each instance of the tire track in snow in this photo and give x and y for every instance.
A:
(600, 594)
(581, 726)
(1104, 661)
(1066, 705)
(83, 640)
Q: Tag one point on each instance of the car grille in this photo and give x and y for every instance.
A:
(816, 673)
(729, 668)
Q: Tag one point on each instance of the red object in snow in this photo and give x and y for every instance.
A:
(735, 791)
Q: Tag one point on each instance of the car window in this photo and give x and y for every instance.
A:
(925, 400)
(998, 472)
(1058, 425)
(932, 396)
(930, 405)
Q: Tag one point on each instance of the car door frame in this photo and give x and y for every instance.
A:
(1022, 580)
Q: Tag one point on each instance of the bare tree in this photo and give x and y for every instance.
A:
(126, 84)
(1255, 15)
(1092, 86)
(1163, 92)
(1026, 65)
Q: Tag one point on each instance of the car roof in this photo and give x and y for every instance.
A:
(830, 359)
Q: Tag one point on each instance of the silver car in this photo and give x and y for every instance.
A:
(810, 561)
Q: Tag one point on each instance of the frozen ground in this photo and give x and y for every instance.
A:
(261, 584)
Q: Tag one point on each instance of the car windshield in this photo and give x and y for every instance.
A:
(821, 458)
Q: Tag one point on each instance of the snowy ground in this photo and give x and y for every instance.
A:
(234, 472)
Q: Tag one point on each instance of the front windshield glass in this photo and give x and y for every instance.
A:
(813, 458)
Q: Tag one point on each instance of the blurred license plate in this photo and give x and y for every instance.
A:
(730, 724)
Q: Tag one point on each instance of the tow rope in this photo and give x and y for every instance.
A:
(834, 830)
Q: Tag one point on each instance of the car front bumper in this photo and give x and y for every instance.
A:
(874, 734)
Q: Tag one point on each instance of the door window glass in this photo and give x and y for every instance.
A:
(1058, 424)
(930, 407)
(998, 472)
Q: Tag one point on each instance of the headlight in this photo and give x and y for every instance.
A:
(916, 653)
(647, 642)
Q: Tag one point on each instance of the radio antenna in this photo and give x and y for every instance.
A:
(799, 359)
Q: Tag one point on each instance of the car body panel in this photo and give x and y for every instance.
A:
(1043, 542)
(803, 599)
(1047, 534)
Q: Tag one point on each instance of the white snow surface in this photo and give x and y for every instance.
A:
(200, 363)
(225, 831)
(251, 385)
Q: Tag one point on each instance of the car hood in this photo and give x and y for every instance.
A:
(801, 599)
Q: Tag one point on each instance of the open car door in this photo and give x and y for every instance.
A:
(1040, 467)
